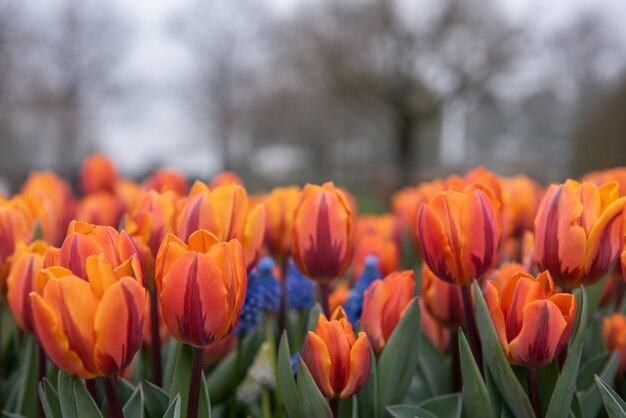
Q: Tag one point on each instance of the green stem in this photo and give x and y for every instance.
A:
(265, 399)
(155, 343)
(472, 330)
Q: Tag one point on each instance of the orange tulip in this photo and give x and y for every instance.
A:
(214, 353)
(437, 334)
(27, 260)
(99, 208)
(167, 179)
(127, 194)
(226, 177)
(532, 322)
(84, 240)
(224, 211)
(15, 228)
(617, 174)
(89, 327)
(578, 232)
(501, 276)
(482, 177)
(339, 296)
(442, 300)
(47, 186)
(280, 205)
(201, 286)
(376, 236)
(97, 173)
(338, 361)
(152, 219)
(520, 200)
(322, 232)
(459, 234)
(614, 333)
(384, 304)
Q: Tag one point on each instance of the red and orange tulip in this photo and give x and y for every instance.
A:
(27, 260)
(226, 212)
(384, 303)
(89, 326)
(322, 232)
(459, 234)
(436, 333)
(578, 232)
(376, 236)
(84, 240)
(97, 173)
(226, 177)
(167, 179)
(201, 286)
(614, 333)
(532, 322)
(15, 228)
(280, 206)
(99, 208)
(443, 300)
(520, 200)
(338, 361)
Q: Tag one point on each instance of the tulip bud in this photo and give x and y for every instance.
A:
(614, 333)
(578, 231)
(385, 302)
(27, 260)
(226, 212)
(322, 232)
(89, 327)
(532, 322)
(167, 180)
(443, 300)
(97, 173)
(280, 205)
(459, 234)
(338, 361)
(201, 286)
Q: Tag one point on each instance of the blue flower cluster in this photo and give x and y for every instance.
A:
(354, 304)
(300, 290)
(262, 294)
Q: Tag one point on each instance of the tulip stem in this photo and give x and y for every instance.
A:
(325, 290)
(533, 391)
(194, 383)
(155, 343)
(456, 361)
(334, 406)
(113, 398)
(472, 330)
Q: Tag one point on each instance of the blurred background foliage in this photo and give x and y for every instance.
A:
(374, 94)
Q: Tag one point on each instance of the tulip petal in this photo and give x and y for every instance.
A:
(254, 234)
(537, 342)
(480, 234)
(374, 302)
(317, 359)
(119, 325)
(492, 299)
(360, 364)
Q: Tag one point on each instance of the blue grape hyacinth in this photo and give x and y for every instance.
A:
(262, 294)
(354, 304)
(300, 289)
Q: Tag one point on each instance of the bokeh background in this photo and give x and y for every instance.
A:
(374, 94)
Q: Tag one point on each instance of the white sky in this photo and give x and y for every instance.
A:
(156, 129)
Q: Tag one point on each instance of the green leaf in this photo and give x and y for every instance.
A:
(134, 406)
(398, 362)
(181, 376)
(494, 394)
(593, 366)
(125, 390)
(286, 382)
(409, 411)
(49, 400)
(66, 395)
(614, 405)
(475, 396)
(223, 379)
(204, 406)
(171, 353)
(561, 401)
(546, 379)
(313, 404)
(434, 368)
(26, 401)
(174, 410)
(503, 376)
(156, 400)
(85, 405)
(448, 406)
(367, 397)
(591, 400)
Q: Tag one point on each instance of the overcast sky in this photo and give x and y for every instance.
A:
(156, 129)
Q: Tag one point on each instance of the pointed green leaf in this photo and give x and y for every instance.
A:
(591, 400)
(181, 376)
(398, 361)
(85, 405)
(204, 407)
(174, 410)
(475, 396)
(614, 405)
(561, 401)
(286, 382)
(125, 390)
(409, 411)
(444, 406)
(314, 314)
(504, 377)
(313, 404)
(434, 368)
(49, 399)
(156, 400)
(26, 401)
(134, 407)
(546, 378)
(66, 395)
